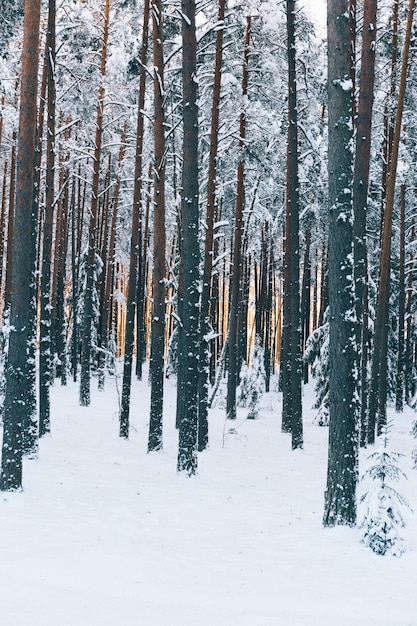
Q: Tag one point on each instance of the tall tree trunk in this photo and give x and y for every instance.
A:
(292, 363)
(91, 252)
(136, 236)
(17, 379)
(378, 390)
(340, 500)
(233, 364)
(360, 193)
(209, 235)
(45, 287)
(158, 319)
(142, 286)
(190, 258)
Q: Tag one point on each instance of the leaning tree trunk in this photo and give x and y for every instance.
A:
(340, 495)
(136, 236)
(17, 371)
(91, 251)
(378, 390)
(158, 319)
(233, 365)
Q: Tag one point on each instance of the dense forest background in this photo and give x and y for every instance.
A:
(202, 194)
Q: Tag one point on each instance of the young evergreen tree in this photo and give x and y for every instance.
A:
(382, 515)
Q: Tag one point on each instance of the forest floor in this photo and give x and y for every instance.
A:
(104, 534)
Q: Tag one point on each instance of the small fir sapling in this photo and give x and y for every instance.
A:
(382, 505)
(252, 381)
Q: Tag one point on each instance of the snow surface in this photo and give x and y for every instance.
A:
(105, 534)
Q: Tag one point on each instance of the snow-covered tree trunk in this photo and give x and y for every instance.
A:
(18, 374)
(159, 274)
(340, 495)
(136, 235)
(190, 254)
(45, 288)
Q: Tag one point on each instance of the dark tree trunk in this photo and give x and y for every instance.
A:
(142, 286)
(306, 297)
(159, 274)
(45, 287)
(292, 362)
(233, 364)
(136, 236)
(17, 371)
(340, 495)
(360, 194)
(190, 257)
(408, 383)
(10, 223)
(399, 395)
(209, 238)
(91, 253)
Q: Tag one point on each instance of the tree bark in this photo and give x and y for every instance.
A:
(159, 274)
(91, 253)
(233, 365)
(340, 500)
(17, 379)
(136, 236)
(378, 389)
(45, 287)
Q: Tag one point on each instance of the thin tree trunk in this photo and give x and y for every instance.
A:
(136, 236)
(399, 395)
(209, 235)
(158, 319)
(233, 365)
(292, 365)
(360, 193)
(45, 287)
(91, 253)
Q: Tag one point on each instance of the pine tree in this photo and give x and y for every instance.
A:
(382, 515)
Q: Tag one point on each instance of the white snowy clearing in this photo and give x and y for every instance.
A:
(104, 534)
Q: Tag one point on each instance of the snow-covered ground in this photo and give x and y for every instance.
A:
(104, 534)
